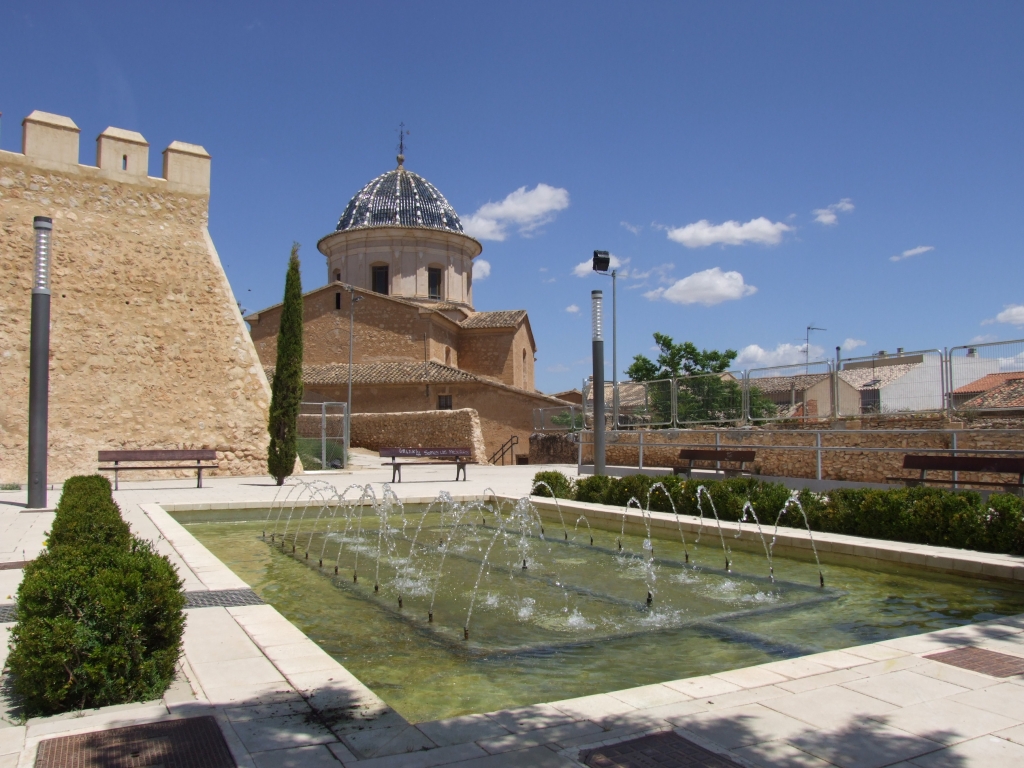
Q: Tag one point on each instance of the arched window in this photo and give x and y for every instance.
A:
(524, 369)
(379, 278)
(337, 275)
(448, 356)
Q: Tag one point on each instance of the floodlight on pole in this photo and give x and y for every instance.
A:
(597, 340)
(39, 366)
(602, 261)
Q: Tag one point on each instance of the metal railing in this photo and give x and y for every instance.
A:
(321, 436)
(508, 447)
(966, 379)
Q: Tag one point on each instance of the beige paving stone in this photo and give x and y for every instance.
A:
(249, 695)
(458, 730)
(744, 696)
(945, 721)
(12, 739)
(1012, 646)
(796, 668)
(751, 677)
(876, 651)
(211, 635)
(536, 757)
(650, 696)
(702, 687)
(261, 711)
(237, 672)
(613, 735)
(779, 754)
(81, 721)
(281, 733)
(741, 726)
(380, 742)
(955, 675)
(885, 666)
(1014, 734)
(926, 643)
(1004, 699)
(299, 757)
(864, 746)
(830, 707)
(653, 717)
(904, 688)
(455, 753)
(538, 736)
(527, 718)
(593, 707)
(985, 751)
(835, 677)
(838, 659)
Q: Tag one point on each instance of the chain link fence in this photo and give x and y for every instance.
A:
(322, 440)
(967, 379)
(986, 378)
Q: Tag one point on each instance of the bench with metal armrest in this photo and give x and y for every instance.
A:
(993, 465)
(715, 454)
(457, 456)
(157, 459)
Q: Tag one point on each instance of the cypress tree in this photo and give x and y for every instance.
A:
(286, 390)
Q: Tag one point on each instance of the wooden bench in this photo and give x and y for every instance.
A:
(988, 464)
(715, 454)
(458, 456)
(158, 459)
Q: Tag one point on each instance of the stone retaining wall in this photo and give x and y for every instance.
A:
(552, 448)
(420, 429)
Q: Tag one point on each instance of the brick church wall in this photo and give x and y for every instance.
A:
(148, 348)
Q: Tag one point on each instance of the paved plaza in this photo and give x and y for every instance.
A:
(281, 701)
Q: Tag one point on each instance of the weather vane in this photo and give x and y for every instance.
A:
(402, 133)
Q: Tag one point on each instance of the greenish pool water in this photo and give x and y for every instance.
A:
(576, 620)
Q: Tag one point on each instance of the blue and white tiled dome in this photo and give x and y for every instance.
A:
(399, 198)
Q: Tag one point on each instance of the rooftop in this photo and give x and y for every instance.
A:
(875, 378)
(985, 383)
(380, 373)
(1009, 394)
(399, 198)
(507, 318)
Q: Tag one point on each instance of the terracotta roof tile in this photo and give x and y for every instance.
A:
(1009, 394)
(786, 383)
(380, 373)
(875, 378)
(508, 318)
(985, 383)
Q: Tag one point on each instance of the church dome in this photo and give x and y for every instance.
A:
(399, 198)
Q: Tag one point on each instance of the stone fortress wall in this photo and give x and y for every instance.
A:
(420, 429)
(148, 347)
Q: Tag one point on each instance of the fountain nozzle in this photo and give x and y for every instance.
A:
(355, 576)
(821, 579)
(524, 564)
(321, 563)
(399, 601)
(335, 570)
(430, 617)
(650, 599)
(465, 633)
(591, 540)
(687, 556)
(307, 555)
(376, 587)
(293, 549)
(566, 535)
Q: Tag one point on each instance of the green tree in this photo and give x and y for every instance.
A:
(286, 390)
(679, 359)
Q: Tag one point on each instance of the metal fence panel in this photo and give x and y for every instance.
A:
(907, 382)
(321, 435)
(804, 392)
(645, 404)
(712, 398)
(568, 418)
(986, 378)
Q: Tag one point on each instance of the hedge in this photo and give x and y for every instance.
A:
(100, 613)
(918, 515)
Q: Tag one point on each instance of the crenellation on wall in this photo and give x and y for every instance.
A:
(122, 151)
(46, 136)
(148, 348)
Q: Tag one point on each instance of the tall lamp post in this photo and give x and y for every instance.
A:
(603, 260)
(39, 366)
(352, 301)
(597, 336)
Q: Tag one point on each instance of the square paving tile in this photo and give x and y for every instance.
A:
(830, 707)
(742, 726)
(981, 660)
(986, 751)
(662, 750)
(194, 742)
(904, 688)
(1004, 699)
(860, 746)
(946, 721)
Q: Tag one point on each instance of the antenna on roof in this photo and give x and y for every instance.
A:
(807, 343)
(402, 133)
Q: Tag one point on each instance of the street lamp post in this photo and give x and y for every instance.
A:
(352, 300)
(597, 336)
(602, 260)
(39, 366)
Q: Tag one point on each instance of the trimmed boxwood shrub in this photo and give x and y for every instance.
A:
(915, 515)
(562, 486)
(100, 613)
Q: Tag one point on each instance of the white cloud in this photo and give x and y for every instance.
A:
(754, 356)
(528, 209)
(481, 269)
(1012, 314)
(912, 252)
(983, 338)
(712, 286)
(704, 233)
(634, 228)
(543, 269)
(828, 216)
(585, 268)
(572, 309)
(852, 343)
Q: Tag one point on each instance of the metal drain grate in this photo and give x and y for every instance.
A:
(979, 660)
(662, 750)
(222, 598)
(194, 742)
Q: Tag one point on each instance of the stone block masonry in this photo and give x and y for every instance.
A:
(148, 348)
(420, 429)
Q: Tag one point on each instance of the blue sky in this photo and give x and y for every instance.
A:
(755, 166)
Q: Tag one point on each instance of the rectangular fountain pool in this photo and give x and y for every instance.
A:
(434, 611)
